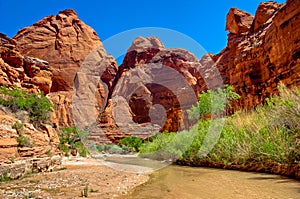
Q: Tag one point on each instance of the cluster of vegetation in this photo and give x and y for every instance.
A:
(126, 145)
(38, 108)
(71, 139)
(131, 144)
(270, 132)
(5, 178)
(23, 140)
(36, 104)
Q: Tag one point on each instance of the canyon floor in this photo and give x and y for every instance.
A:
(71, 179)
(113, 177)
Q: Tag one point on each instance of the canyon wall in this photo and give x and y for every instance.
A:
(261, 52)
(87, 85)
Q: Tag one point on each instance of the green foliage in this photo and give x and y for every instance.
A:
(81, 149)
(24, 141)
(36, 104)
(132, 143)
(94, 190)
(268, 133)
(71, 138)
(99, 147)
(5, 178)
(213, 101)
(19, 127)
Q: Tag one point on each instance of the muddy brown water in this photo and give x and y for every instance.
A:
(192, 183)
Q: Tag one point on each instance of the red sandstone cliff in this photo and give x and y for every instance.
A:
(65, 42)
(32, 75)
(262, 51)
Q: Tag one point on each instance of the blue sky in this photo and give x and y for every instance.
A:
(201, 20)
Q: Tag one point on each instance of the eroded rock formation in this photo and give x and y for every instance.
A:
(33, 143)
(257, 59)
(154, 79)
(62, 40)
(67, 43)
(262, 51)
(145, 92)
(22, 71)
(27, 148)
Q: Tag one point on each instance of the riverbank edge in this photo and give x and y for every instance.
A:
(270, 167)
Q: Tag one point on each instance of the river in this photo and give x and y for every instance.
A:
(196, 183)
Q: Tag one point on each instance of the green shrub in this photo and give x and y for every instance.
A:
(213, 101)
(19, 127)
(81, 149)
(132, 143)
(5, 178)
(72, 137)
(36, 104)
(99, 147)
(24, 141)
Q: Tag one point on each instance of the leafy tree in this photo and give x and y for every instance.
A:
(213, 101)
(132, 143)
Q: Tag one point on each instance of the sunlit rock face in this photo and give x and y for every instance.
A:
(263, 54)
(65, 42)
(152, 88)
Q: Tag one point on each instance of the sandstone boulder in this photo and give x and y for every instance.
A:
(238, 21)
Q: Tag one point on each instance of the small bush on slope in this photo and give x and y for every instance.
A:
(36, 104)
(71, 138)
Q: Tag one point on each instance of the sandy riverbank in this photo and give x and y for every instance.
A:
(70, 181)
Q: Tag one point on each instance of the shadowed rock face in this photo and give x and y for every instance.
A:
(154, 88)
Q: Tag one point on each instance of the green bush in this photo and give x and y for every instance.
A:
(5, 178)
(71, 138)
(99, 147)
(24, 141)
(132, 143)
(36, 104)
(270, 132)
(213, 102)
(19, 127)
